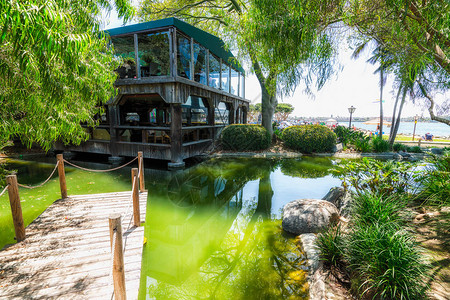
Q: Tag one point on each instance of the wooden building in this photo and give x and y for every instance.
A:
(177, 88)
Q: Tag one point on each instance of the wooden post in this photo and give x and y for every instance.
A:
(62, 176)
(16, 209)
(115, 233)
(141, 171)
(135, 191)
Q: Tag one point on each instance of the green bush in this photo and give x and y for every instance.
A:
(434, 182)
(244, 137)
(331, 244)
(387, 263)
(309, 138)
(414, 149)
(363, 144)
(380, 145)
(399, 147)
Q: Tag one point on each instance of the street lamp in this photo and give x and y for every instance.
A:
(351, 110)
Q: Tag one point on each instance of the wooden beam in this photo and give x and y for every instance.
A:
(62, 176)
(16, 208)
(115, 232)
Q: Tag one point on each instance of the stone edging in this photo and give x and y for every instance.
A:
(316, 276)
(254, 155)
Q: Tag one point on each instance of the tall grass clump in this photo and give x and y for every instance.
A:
(380, 145)
(332, 245)
(434, 183)
(386, 262)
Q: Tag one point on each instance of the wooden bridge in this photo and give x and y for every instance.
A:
(81, 247)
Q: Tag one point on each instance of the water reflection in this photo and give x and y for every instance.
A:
(211, 232)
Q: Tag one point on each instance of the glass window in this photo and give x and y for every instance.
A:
(154, 57)
(242, 85)
(195, 111)
(222, 114)
(225, 77)
(214, 71)
(183, 56)
(234, 81)
(124, 49)
(199, 64)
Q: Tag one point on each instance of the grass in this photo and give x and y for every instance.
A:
(409, 139)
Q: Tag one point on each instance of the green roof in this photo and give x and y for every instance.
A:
(207, 40)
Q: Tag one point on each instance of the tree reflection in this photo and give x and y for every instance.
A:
(307, 167)
(253, 259)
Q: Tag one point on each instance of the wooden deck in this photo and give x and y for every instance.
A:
(67, 254)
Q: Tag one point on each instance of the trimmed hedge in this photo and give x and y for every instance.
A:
(245, 137)
(309, 138)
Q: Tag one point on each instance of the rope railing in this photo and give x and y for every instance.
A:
(4, 190)
(42, 184)
(100, 171)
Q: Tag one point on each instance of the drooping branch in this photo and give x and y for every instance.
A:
(431, 107)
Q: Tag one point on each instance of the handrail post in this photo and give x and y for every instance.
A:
(16, 209)
(135, 191)
(118, 268)
(62, 176)
(141, 171)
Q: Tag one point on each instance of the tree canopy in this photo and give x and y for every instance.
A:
(56, 69)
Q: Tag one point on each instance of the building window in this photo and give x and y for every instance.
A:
(225, 78)
(195, 111)
(214, 71)
(154, 57)
(124, 49)
(234, 82)
(183, 56)
(199, 63)
(222, 114)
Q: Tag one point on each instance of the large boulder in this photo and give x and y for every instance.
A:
(340, 198)
(308, 216)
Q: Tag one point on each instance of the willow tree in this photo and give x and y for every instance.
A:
(284, 41)
(417, 31)
(56, 69)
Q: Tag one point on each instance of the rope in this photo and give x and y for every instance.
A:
(40, 185)
(4, 190)
(92, 170)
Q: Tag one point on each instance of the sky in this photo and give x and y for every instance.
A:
(354, 85)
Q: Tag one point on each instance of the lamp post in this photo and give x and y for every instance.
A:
(351, 110)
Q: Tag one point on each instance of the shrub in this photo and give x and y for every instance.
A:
(309, 138)
(414, 149)
(399, 147)
(379, 145)
(331, 245)
(363, 144)
(433, 183)
(243, 137)
(387, 263)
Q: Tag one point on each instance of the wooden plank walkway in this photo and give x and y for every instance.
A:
(67, 254)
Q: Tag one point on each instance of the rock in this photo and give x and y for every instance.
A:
(437, 151)
(404, 154)
(397, 156)
(308, 216)
(338, 147)
(340, 198)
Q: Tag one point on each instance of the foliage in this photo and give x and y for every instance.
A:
(309, 138)
(399, 147)
(241, 137)
(414, 149)
(380, 145)
(433, 183)
(282, 111)
(56, 68)
(332, 247)
(348, 136)
(377, 177)
(387, 262)
(307, 168)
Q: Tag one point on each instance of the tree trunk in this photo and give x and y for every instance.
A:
(397, 122)
(394, 120)
(268, 105)
(380, 134)
(431, 108)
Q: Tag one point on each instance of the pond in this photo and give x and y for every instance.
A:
(212, 230)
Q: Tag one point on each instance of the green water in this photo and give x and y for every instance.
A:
(212, 230)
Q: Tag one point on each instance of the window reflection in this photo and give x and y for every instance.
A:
(199, 63)
(183, 56)
(242, 85)
(154, 55)
(124, 49)
(225, 77)
(234, 81)
(214, 71)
